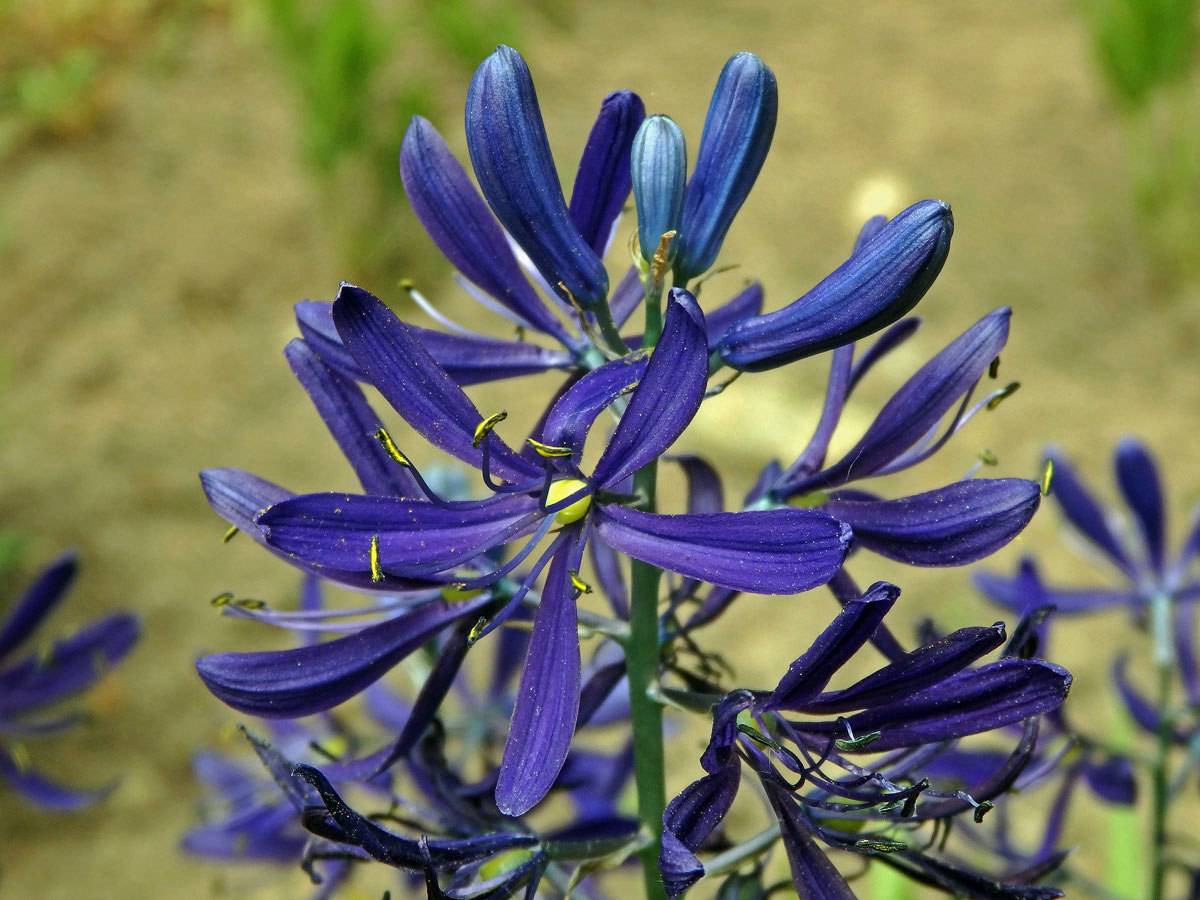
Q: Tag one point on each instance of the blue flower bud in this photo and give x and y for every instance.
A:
(512, 160)
(659, 166)
(881, 281)
(737, 134)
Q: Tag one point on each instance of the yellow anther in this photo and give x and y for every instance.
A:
(248, 603)
(562, 286)
(376, 568)
(456, 593)
(407, 284)
(476, 630)
(988, 458)
(548, 450)
(390, 448)
(1047, 477)
(1007, 391)
(228, 536)
(662, 255)
(485, 427)
(221, 599)
(579, 584)
(561, 490)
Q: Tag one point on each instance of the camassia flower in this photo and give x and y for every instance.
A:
(35, 683)
(779, 551)
(908, 712)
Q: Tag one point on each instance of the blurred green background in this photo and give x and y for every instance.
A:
(175, 175)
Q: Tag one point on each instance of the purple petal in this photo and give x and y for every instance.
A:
(1141, 709)
(922, 402)
(626, 296)
(70, 666)
(971, 702)
(37, 602)
(1081, 509)
(515, 169)
(315, 320)
(666, 398)
(351, 421)
(869, 229)
(1113, 779)
(416, 537)
(963, 883)
(918, 670)
(395, 362)
(836, 645)
(704, 491)
(475, 360)
(287, 684)
(875, 287)
(607, 566)
(46, 793)
(571, 417)
(1015, 594)
(463, 227)
(746, 303)
(603, 180)
(812, 457)
(733, 146)
(547, 704)
(688, 821)
(1138, 478)
(950, 526)
(888, 341)
(780, 551)
(813, 875)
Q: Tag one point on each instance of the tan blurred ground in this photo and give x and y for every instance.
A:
(150, 264)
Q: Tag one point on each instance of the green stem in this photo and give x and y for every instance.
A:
(1164, 661)
(642, 655)
(654, 321)
(608, 328)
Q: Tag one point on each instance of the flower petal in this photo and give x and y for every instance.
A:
(813, 875)
(781, 551)
(314, 318)
(37, 602)
(351, 421)
(688, 821)
(287, 684)
(878, 284)
(515, 169)
(547, 704)
(44, 792)
(666, 398)
(463, 227)
(1081, 509)
(949, 526)
(603, 180)
(415, 537)
(571, 417)
(659, 164)
(834, 646)
(1137, 474)
(733, 146)
(396, 363)
(921, 403)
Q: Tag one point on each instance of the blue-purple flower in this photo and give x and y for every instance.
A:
(34, 684)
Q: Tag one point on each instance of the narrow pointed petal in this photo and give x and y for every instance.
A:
(923, 400)
(415, 537)
(840, 640)
(45, 792)
(782, 551)
(626, 296)
(351, 421)
(813, 875)
(1137, 474)
(875, 287)
(464, 229)
(547, 704)
(704, 491)
(963, 883)
(394, 360)
(287, 684)
(603, 180)
(572, 416)
(71, 665)
(1140, 709)
(1014, 593)
(514, 167)
(473, 360)
(744, 304)
(869, 229)
(1113, 779)
(659, 164)
(667, 397)
(402, 852)
(949, 526)
(887, 342)
(1081, 509)
(972, 702)
(688, 821)
(314, 318)
(918, 670)
(733, 146)
(38, 601)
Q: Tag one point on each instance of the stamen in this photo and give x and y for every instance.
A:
(390, 448)
(879, 845)
(715, 389)
(1007, 391)
(1047, 477)
(994, 368)
(662, 255)
(222, 599)
(376, 568)
(579, 584)
(988, 458)
(549, 451)
(228, 536)
(406, 284)
(484, 428)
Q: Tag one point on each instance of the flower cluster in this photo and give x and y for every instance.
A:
(560, 512)
(32, 685)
